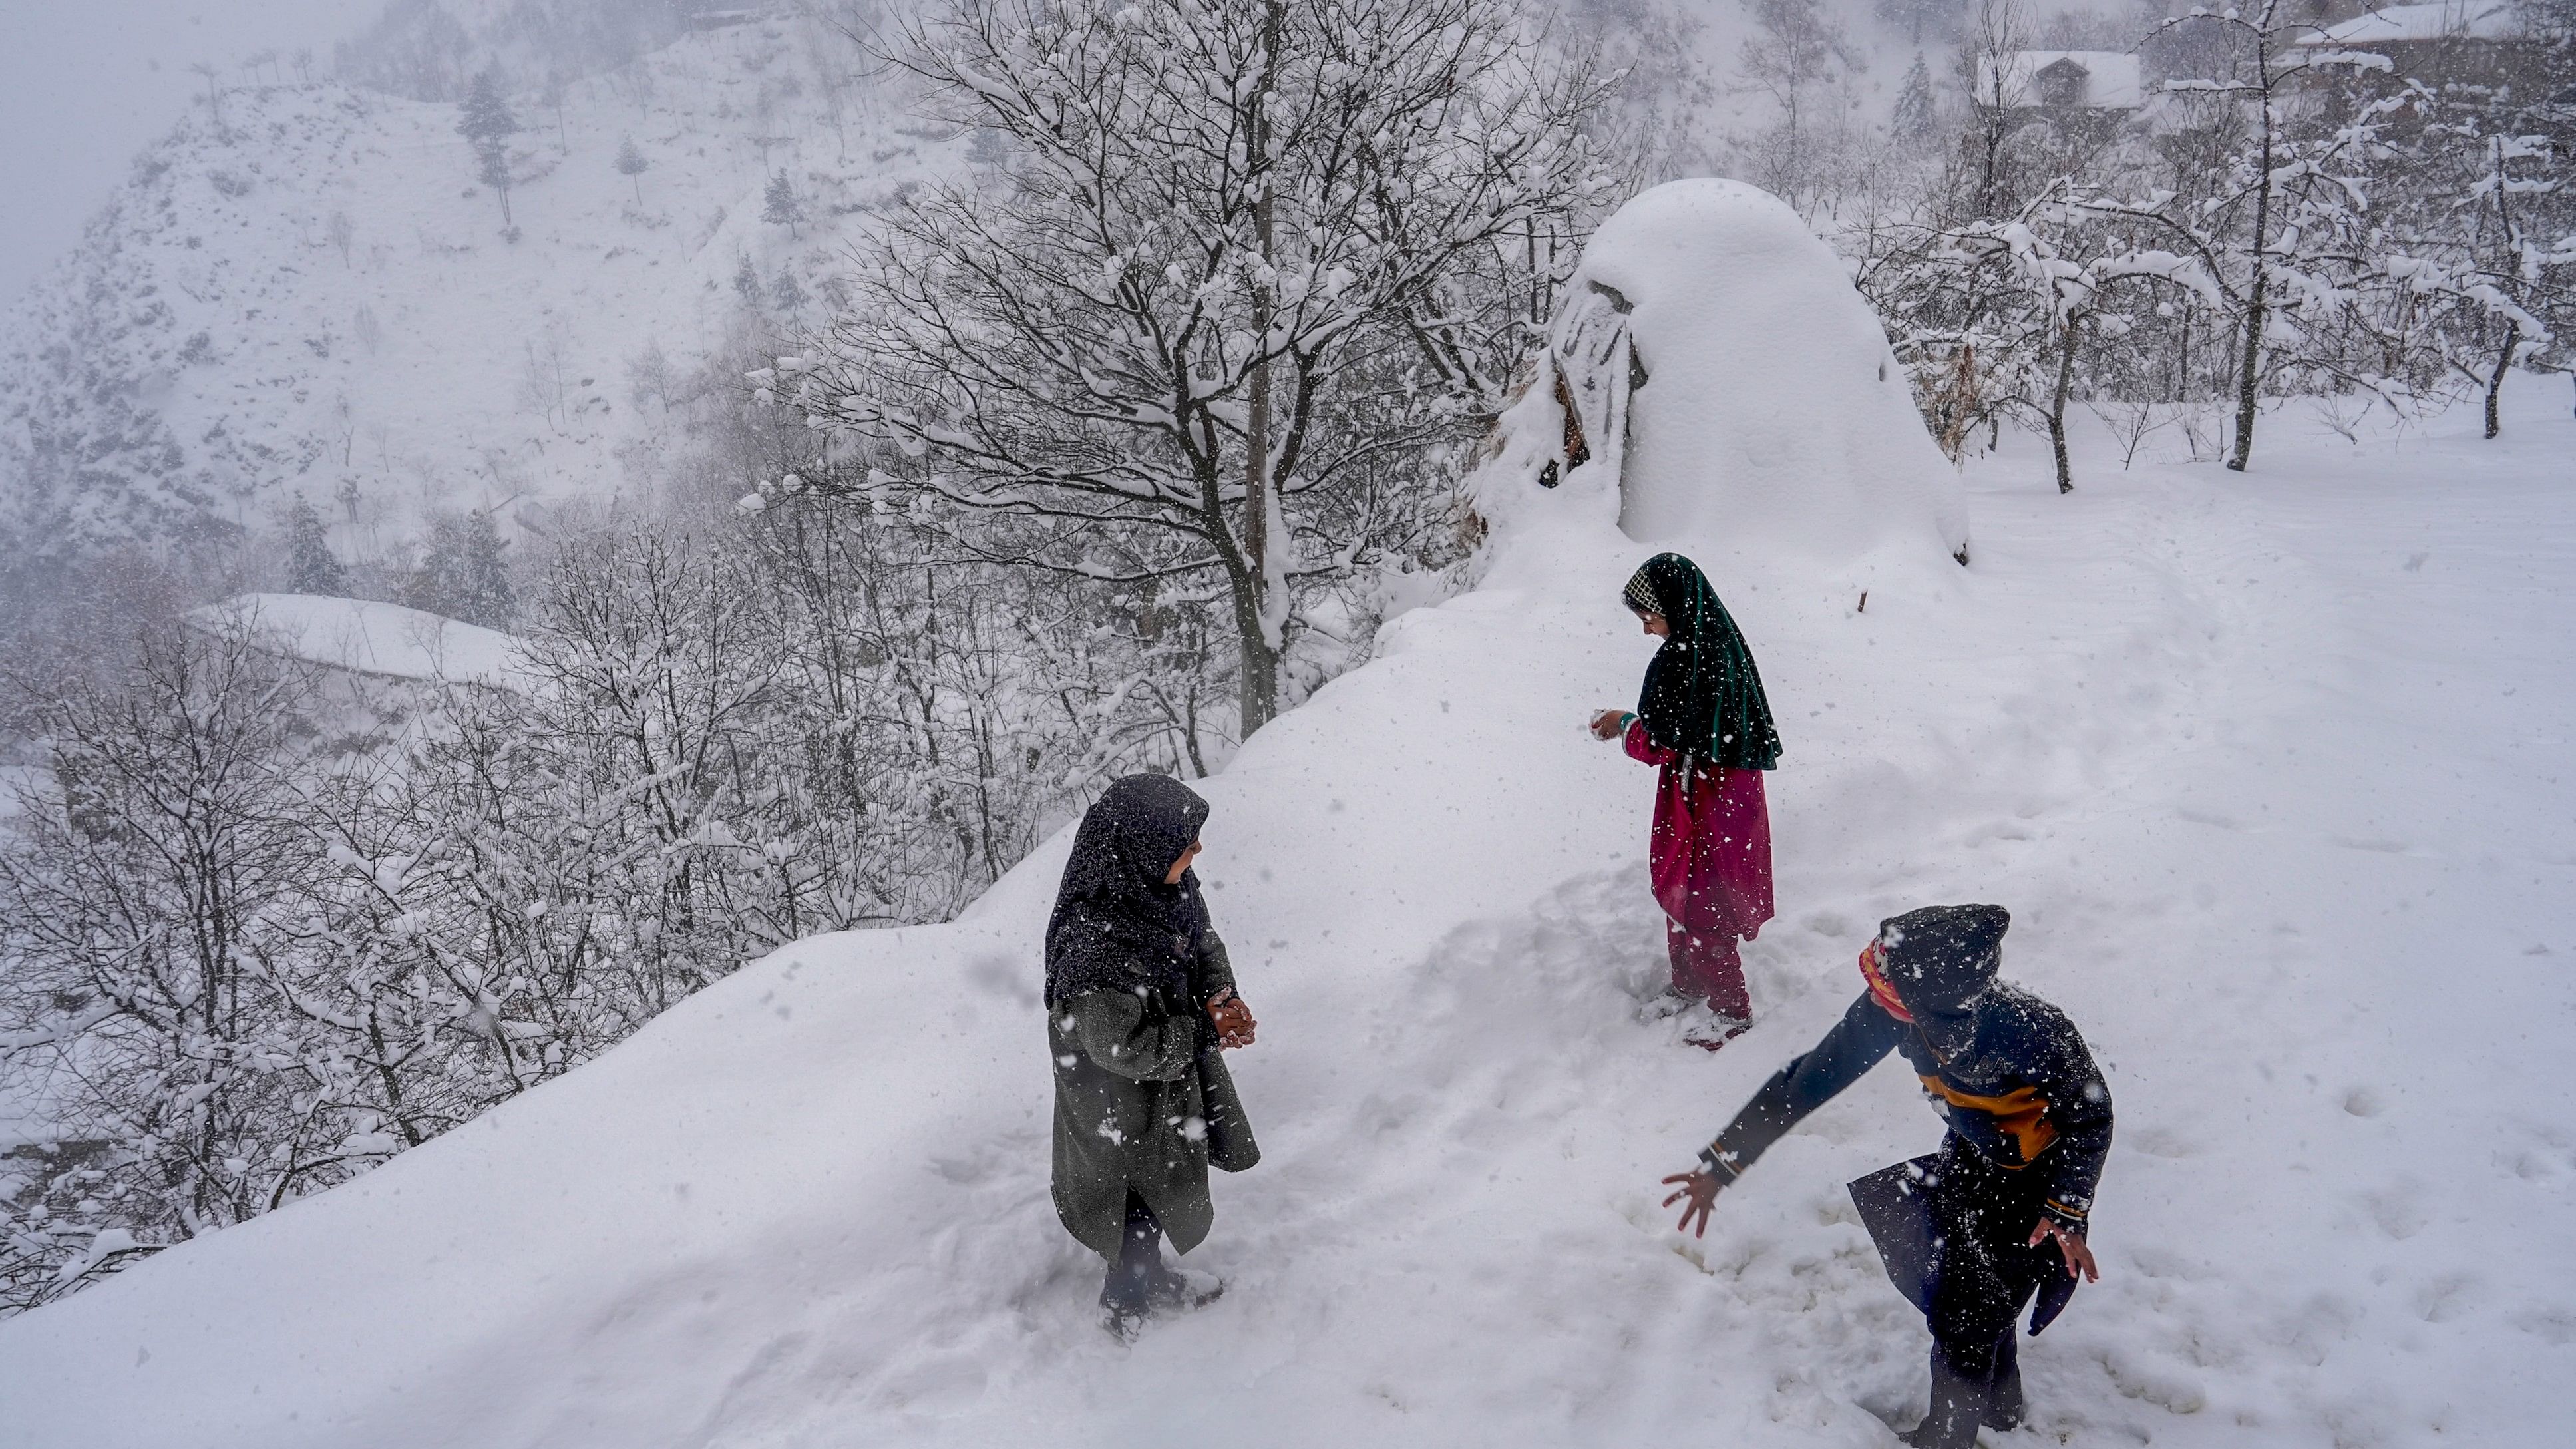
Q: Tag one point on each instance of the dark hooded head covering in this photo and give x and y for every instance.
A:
(1939, 960)
(1703, 697)
(1116, 924)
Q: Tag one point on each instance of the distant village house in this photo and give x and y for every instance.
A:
(2061, 80)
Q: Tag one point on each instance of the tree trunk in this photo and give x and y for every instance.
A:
(2495, 380)
(2250, 363)
(2057, 408)
(1260, 660)
(2245, 378)
(2182, 374)
(1262, 542)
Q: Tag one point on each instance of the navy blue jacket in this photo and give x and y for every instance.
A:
(2024, 1095)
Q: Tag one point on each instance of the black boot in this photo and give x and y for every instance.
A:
(2004, 1407)
(1128, 1293)
(1958, 1404)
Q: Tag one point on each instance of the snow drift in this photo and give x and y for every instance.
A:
(360, 636)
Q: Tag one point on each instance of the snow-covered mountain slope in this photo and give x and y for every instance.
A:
(2271, 769)
(220, 340)
(213, 347)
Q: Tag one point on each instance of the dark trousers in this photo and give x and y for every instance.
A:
(1139, 1261)
(1987, 1271)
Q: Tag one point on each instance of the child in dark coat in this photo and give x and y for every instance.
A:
(1970, 1234)
(1140, 1003)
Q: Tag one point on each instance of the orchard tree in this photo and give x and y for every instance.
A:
(2281, 228)
(1246, 269)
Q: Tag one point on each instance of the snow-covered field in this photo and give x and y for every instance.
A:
(382, 641)
(2270, 768)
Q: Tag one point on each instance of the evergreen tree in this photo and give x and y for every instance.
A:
(779, 207)
(465, 574)
(784, 295)
(311, 568)
(746, 282)
(632, 165)
(1915, 115)
(487, 124)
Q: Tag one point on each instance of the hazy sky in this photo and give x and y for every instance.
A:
(84, 84)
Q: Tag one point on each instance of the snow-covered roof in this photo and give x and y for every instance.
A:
(2404, 24)
(359, 636)
(2103, 80)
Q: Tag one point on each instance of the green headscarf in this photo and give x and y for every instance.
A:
(1703, 696)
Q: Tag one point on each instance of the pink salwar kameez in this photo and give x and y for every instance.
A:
(1711, 859)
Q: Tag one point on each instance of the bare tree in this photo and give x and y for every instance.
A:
(2285, 211)
(1318, 212)
(1997, 31)
(214, 91)
(1797, 52)
(152, 872)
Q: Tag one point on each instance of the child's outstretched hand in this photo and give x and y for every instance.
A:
(1701, 1189)
(1608, 724)
(2079, 1257)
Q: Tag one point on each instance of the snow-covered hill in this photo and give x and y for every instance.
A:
(310, 294)
(2269, 767)
(306, 291)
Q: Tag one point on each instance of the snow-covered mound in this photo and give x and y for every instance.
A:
(2270, 768)
(358, 636)
(1773, 410)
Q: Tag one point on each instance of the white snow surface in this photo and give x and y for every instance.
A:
(1775, 417)
(2272, 770)
(360, 636)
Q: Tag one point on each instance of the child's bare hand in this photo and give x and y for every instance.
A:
(1701, 1189)
(1234, 1023)
(2079, 1258)
(1608, 724)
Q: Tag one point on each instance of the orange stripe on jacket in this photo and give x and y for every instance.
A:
(2022, 1112)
